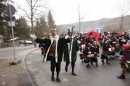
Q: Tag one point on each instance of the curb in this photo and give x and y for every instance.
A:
(29, 78)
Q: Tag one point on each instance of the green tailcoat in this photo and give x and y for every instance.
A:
(71, 55)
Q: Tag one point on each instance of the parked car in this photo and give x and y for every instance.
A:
(27, 41)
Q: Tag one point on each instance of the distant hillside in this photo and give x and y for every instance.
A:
(89, 25)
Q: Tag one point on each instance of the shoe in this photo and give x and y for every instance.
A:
(88, 66)
(91, 63)
(113, 58)
(107, 63)
(102, 61)
(96, 64)
(116, 56)
(74, 74)
(109, 59)
(52, 78)
(121, 77)
(58, 79)
(66, 69)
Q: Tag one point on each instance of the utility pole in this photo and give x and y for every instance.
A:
(80, 17)
(10, 11)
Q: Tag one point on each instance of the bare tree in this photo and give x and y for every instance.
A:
(35, 9)
(34, 6)
(123, 8)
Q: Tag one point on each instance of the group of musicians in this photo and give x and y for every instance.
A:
(111, 44)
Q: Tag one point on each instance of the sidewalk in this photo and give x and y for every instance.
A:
(15, 75)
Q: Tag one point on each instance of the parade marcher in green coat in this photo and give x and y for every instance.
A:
(70, 54)
(54, 51)
(70, 51)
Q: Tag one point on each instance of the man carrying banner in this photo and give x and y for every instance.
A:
(70, 52)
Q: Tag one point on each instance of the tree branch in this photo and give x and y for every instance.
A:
(26, 13)
(28, 3)
(35, 3)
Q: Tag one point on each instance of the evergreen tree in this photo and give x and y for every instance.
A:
(41, 27)
(21, 28)
(51, 22)
(3, 23)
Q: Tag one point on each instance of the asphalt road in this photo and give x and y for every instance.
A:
(20, 52)
(104, 75)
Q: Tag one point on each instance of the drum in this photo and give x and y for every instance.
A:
(112, 48)
(98, 55)
(117, 44)
(90, 56)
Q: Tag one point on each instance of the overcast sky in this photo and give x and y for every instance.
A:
(66, 11)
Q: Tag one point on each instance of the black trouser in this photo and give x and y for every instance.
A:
(72, 65)
(104, 57)
(53, 65)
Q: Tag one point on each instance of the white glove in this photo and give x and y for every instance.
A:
(113, 42)
(109, 49)
(123, 40)
(33, 36)
(66, 37)
(72, 36)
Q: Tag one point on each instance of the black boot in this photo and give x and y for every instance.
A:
(97, 64)
(58, 79)
(72, 65)
(52, 78)
(73, 73)
(112, 57)
(66, 67)
(88, 66)
(91, 63)
(102, 61)
(52, 70)
(121, 77)
(107, 61)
